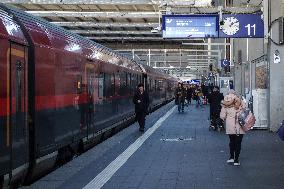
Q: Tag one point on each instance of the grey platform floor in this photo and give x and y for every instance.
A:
(182, 153)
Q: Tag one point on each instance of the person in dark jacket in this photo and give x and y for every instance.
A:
(180, 97)
(215, 99)
(141, 101)
(189, 92)
(198, 96)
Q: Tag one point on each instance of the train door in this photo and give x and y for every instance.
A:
(17, 121)
(90, 87)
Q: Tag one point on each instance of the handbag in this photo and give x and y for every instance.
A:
(246, 119)
(281, 131)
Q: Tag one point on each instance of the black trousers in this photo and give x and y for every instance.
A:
(235, 146)
(140, 117)
(215, 118)
(189, 99)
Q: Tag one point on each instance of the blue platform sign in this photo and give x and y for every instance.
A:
(224, 63)
(190, 26)
(242, 26)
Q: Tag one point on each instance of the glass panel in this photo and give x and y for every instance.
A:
(101, 85)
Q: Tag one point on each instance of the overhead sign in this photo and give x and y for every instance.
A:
(242, 26)
(190, 26)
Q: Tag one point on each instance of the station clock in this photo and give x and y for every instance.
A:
(231, 26)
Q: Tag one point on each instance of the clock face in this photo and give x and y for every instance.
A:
(231, 26)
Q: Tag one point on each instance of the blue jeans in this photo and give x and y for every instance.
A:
(198, 102)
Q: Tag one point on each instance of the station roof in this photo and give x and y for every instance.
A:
(127, 24)
(112, 20)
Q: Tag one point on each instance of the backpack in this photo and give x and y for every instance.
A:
(281, 131)
(246, 119)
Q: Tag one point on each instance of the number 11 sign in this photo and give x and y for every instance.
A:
(242, 26)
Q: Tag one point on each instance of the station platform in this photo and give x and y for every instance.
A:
(177, 151)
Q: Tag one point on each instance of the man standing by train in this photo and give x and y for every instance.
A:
(180, 97)
(141, 101)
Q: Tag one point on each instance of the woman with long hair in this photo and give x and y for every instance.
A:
(231, 107)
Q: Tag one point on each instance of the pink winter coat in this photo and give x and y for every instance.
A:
(231, 106)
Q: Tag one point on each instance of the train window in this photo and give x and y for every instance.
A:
(101, 85)
(155, 85)
(123, 84)
(129, 83)
(133, 82)
(138, 80)
(112, 84)
(151, 85)
(79, 84)
(90, 82)
(126, 79)
(109, 85)
(160, 85)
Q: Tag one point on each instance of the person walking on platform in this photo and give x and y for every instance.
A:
(198, 95)
(231, 106)
(180, 97)
(141, 101)
(189, 94)
(215, 99)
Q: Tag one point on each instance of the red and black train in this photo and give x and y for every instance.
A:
(59, 92)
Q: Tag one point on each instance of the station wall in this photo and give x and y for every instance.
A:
(276, 71)
(256, 50)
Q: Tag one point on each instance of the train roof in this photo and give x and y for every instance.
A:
(10, 29)
(46, 34)
(153, 71)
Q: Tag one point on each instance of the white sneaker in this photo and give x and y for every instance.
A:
(237, 163)
(230, 161)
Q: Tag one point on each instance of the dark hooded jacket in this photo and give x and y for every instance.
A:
(141, 107)
(180, 93)
(215, 99)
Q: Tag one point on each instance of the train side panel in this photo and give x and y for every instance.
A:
(13, 100)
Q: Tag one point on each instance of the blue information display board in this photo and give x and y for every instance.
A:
(190, 26)
(242, 26)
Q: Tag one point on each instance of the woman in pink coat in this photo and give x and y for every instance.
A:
(231, 106)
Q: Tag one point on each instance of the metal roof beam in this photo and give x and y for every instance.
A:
(131, 38)
(179, 68)
(102, 32)
(89, 2)
(116, 8)
(135, 8)
(178, 54)
(95, 14)
(103, 24)
(194, 59)
(203, 55)
(172, 50)
(177, 61)
(218, 44)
